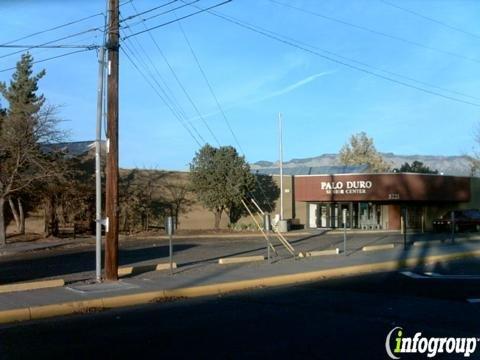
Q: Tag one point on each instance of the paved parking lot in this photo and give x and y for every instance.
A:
(192, 253)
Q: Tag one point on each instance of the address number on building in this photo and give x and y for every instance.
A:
(394, 196)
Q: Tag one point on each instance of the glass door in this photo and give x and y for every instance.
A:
(312, 215)
(335, 220)
(324, 216)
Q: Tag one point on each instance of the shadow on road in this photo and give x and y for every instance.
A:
(58, 265)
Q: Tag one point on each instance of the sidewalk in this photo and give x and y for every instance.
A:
(213, 279)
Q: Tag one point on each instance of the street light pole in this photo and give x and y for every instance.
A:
(281, 163)
(112, 173)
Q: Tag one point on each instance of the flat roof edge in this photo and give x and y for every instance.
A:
(387, 173)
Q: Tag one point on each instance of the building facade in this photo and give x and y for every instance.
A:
(375, 201)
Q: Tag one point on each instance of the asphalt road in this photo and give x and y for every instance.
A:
(346, 318)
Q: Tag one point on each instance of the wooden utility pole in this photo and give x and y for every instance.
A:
(111, 203)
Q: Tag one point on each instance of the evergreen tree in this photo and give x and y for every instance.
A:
(416, 167)
(21, 94)
(25, 124)
(221, 179)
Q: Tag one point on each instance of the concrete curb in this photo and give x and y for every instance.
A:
(430, 242)
(33, 285)
(39, 312)
(46, 311)
(323, 252)
(378, 247)
(129, 270)
(13, 315)
(363, 231)
(219, 236)
(240, 259)
(165, 266)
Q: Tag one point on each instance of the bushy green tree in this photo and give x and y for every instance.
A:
(221, 178)
(361, 150)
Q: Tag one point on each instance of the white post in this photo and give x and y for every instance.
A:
(345, 230)
(98, 175)
(281, 164)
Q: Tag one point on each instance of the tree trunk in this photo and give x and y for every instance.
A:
(21, 213)
(3, 232)
(14, 213)
(51, 223)
(177, 222)
(45, 219)
(53, 216)
(218, 217)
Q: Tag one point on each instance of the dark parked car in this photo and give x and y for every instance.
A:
(463, 220)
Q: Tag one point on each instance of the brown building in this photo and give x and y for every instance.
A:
(375, 201)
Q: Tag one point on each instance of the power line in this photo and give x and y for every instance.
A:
(158, 94)
(52, 41)
(175, 106)
(73, 22)
(216, 99)
(149, 10)
(177, 79)
(431, 19)
(260, 187)
(162, 13)
(169, 95)
(376, 32)
(296, 44)
(212, 92)
(178, 19)
(164, 98)
(87, 42)
(44, 45)
(51, 58)
(169, 98)
(52, 29)
(375, 68)
(91, 46)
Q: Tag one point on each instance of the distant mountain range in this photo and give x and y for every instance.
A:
(448, 165)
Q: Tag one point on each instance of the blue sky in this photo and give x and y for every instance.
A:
(255, 77)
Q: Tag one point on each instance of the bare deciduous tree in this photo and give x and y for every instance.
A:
(177, 196)
(360, 150)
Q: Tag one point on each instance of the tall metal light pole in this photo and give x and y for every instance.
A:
(112, 205)
(281, 163)
(98, 174)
